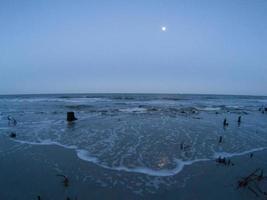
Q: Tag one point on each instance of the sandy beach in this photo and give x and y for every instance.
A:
(31, 170)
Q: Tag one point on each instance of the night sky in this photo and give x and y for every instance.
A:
(140, 46)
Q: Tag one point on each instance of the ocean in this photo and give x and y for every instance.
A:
(149, 135)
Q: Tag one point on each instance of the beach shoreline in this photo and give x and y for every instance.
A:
(31, 170)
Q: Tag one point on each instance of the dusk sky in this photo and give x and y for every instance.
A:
(217, 47)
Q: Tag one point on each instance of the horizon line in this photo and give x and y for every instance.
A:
(101, 93)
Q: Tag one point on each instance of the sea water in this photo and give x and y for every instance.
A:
(152, 134)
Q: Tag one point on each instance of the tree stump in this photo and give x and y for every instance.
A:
(71, 117)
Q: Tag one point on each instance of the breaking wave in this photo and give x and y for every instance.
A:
(180, 164)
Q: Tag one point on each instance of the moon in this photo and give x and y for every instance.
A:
(164, 28)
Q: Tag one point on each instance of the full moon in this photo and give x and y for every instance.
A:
(163, 28)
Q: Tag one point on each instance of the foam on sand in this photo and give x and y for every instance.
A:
(180, 164)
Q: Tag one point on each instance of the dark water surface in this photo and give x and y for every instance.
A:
(139, 134)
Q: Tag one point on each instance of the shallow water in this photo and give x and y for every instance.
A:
(139, 133)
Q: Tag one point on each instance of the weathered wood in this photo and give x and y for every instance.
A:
(71, 117)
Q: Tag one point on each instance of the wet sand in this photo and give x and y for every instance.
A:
(30, 170)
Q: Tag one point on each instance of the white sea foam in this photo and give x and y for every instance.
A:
(47, 142)
(233, 106)
(162, 172)
(229, 155)
(84, 100)
(84, 155)
(180, 164)
(133, 110)
(208, 108)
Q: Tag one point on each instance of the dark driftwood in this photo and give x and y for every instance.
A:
(225, 123)
(239, 119)
(12, 135)
(251, 182)
(224, 161)
(220, 139)
(65, 180)
(71, 117)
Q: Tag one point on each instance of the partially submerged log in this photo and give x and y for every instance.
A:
(263, 109)
(12, 135)
(225, 123)
(184, 147)
(220, 139)
(224, 161)
(239, 119)
(71, 117)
